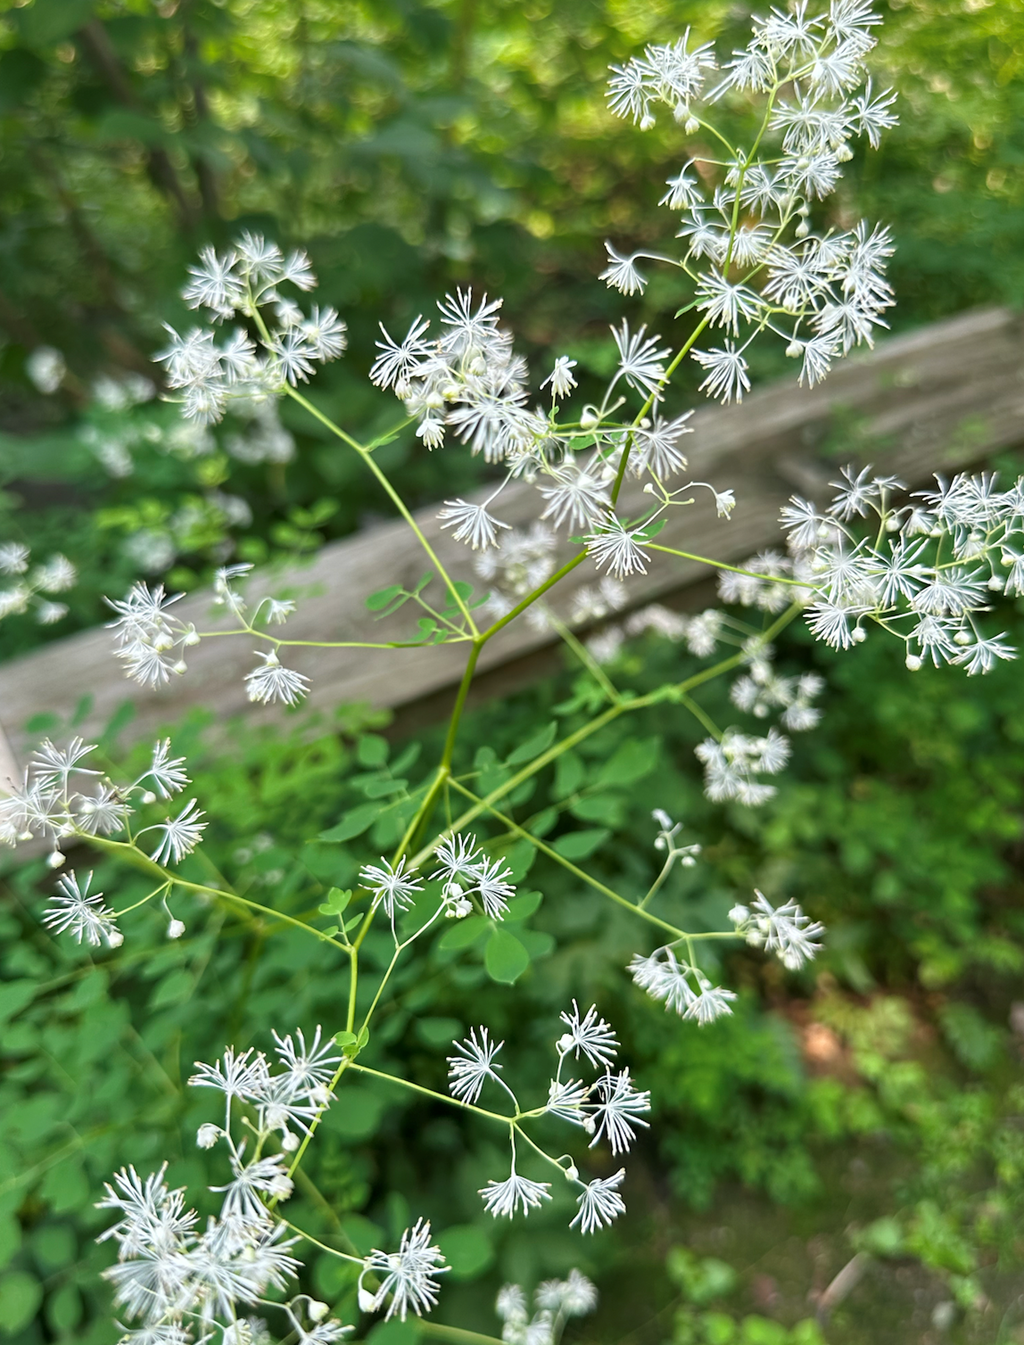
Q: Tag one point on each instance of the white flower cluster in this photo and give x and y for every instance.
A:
(609, 1108)
(470, 381)
(554, 1303)
(667, 979)
(407, 1277)
(822, 294)
(464, 870)
(732, 763)
(783, 930)
(927, 572)
(246, 281)
(151, 640)
(295, 1096)
(54, 801)
(762, 690)
(55, 575)
(183, 1283)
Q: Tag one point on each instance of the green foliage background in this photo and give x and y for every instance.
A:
(872, 1105)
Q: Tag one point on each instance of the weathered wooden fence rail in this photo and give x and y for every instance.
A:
(931, 401)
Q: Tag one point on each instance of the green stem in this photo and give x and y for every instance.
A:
(438, 1097)
(392, 494)
(572, 868)
(138, 860)
(721, 565)
(457, 1333)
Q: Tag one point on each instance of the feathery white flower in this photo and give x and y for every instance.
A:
(472, 524)
(727, 372)
(274, 682)
(621, 273)
(641, 363)
(784, 930)
(180, 835)
(74, 911)
(474, 1064)
(600, 1203)
(408, 1275)
(503, 1198)
(561, 379)
(617, 547)
(618, 1110)
(167, 773)
(588, 1033)
(394, 887)
(577, 496)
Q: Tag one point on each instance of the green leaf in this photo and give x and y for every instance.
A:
(533, 747)
(648, 533)
(376, 602)
(438, 1032)
(631, 762)
(537, 943)
(373, 750)
(464, 933)
(64, 1309)
(383, 788)
(363, 1234)
(580, 844)
(354, 823)
(570, 773)
(14, 996)
(520, 857)
(467, 1249)
(355, 1113)
(173, 989)
(523, 906)
(20, 1296)
(395, 1332)
(505, 957)
(609, 809)
(10, 1237)
(543, 823)
(335, 901)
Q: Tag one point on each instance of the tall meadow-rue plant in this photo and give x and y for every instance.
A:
(922, 570)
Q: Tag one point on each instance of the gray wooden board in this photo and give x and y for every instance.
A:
(934, 400)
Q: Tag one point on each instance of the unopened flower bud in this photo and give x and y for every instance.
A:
(55, 859)
(207, 1135)
(691, 126)
(794, 349)
(176, 929)
(317, 1310)
(180, 667)
(646, 122)
(289, 1142)
(913, 662)
(367, 1301)
(149, 797)
(115, 938)
(803, 229)
(858, 635)
(572, 1172)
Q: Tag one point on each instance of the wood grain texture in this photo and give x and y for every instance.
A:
(934, 400)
